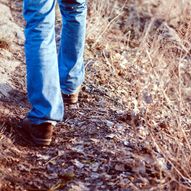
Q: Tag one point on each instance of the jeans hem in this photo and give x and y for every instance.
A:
(40, 121)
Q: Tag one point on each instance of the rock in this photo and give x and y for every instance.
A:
(5, 88)
(94, 175)
(9, 30)
(109, 124)
(10, 33)
(95, 166)
(43, 157)
(78, 163)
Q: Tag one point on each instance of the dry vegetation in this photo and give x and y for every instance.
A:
(139, 70)
(146, 47)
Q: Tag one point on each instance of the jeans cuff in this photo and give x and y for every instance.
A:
(40, 121)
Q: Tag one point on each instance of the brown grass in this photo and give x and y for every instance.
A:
(149, 48)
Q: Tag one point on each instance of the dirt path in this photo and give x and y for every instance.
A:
(85, 151)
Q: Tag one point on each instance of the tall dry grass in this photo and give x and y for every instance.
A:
(152, 55)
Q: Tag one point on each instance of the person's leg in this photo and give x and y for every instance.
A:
(71, 66)
(43, 84)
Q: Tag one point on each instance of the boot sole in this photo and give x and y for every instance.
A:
(69, 101)
(40, 141)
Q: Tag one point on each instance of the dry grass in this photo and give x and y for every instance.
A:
(2, 157)
(148, 47)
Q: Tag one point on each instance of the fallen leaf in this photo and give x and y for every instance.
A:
(110, 136)
(78, 163)
(43, 157)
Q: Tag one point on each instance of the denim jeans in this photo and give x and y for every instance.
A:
(50, 73)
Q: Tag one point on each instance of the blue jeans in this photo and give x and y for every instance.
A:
(50, 73)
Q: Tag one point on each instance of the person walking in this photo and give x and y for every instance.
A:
(52, 77)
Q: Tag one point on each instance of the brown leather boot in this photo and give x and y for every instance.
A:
(40, 134)
(71, 98)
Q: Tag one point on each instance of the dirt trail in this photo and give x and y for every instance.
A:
(84, 152)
